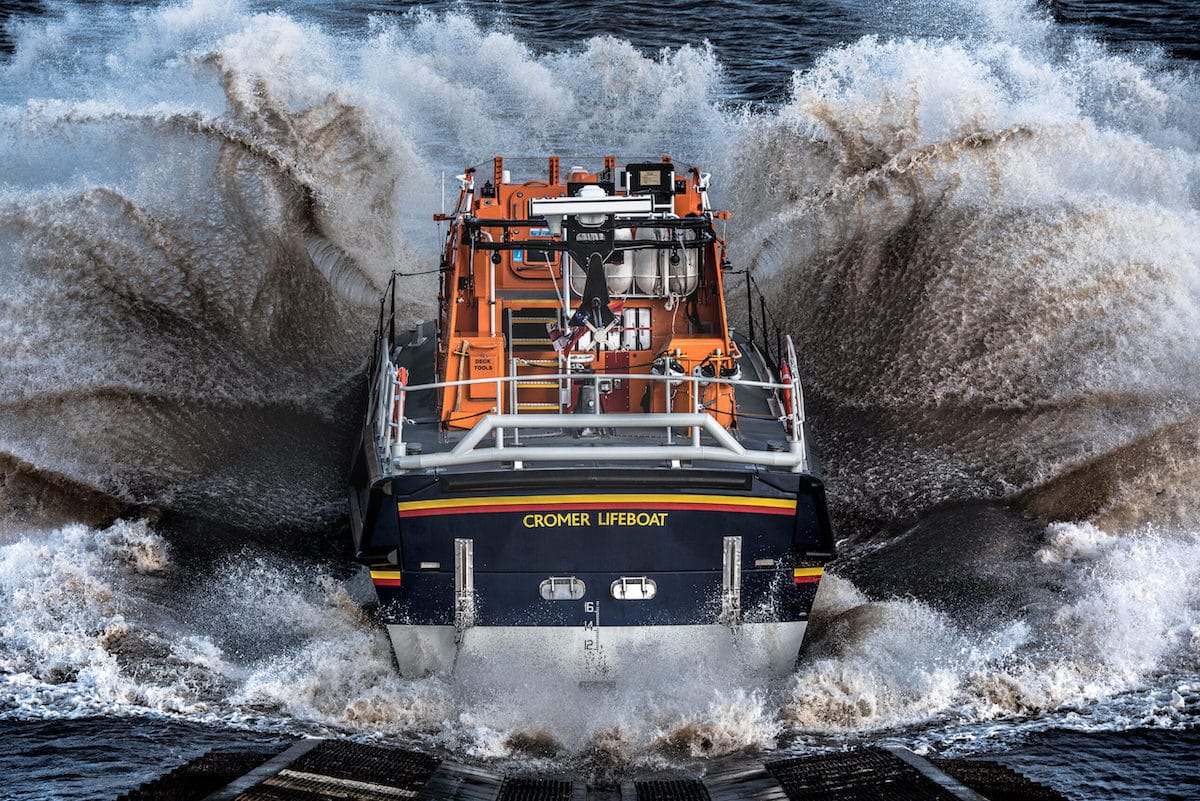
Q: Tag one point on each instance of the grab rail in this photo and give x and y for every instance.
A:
(726, 449)
(392, 394)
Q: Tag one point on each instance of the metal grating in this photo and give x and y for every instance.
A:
(391, 767)
(867, 775)
(671, 790)
(198, 778)
(288, 786)
(997, 782)
(535, 790)
(315, 770)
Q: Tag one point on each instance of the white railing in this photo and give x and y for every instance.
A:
(392, 392)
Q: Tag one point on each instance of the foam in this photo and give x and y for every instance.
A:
(1126, 622)
(64, 624)
(104, 621)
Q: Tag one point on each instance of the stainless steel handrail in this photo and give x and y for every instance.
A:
(593, 376)
(390, 426)
(727, 448)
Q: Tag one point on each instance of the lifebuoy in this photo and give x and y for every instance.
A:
(785, 377)
(397, 404)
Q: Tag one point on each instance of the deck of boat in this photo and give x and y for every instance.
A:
(758, 428)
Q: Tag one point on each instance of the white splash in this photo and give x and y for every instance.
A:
(201, 203)
(1128, 620)
(996, 251)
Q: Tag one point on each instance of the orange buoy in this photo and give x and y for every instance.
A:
(397, 405)
(785, 377)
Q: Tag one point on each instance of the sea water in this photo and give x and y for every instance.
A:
(979, 222)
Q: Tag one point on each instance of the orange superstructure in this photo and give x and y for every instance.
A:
(620, 267)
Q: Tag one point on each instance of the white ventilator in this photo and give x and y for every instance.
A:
(591, 192)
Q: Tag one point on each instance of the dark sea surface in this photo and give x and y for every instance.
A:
(979, 220)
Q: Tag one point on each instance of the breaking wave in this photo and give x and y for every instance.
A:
(1117, 642)
(992, 243)
(991, 257)
(198, 214)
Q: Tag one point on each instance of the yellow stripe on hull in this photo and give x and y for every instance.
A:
(555, 500)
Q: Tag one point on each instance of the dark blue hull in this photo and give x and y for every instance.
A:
(597, 526)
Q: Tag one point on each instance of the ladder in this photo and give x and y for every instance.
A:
(532, 375)
(534, 382)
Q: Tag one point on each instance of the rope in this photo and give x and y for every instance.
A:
(422, 272)
(432, 420)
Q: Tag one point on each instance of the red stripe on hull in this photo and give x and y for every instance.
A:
(387, 582)
(604, 507)
(806, 579)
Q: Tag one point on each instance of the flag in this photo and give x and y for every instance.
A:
(565, 338)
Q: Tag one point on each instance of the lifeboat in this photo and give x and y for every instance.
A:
(580, 453)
